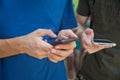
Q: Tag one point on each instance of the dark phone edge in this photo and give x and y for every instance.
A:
(64, 41)
(104, 42)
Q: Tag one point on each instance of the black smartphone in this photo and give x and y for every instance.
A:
(104, 42)
(64, 41)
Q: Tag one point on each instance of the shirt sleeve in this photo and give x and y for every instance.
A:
(83, 8)
(68, 18)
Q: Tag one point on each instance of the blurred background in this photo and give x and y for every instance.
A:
(73, 61)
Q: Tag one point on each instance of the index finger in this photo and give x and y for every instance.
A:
(69, 45)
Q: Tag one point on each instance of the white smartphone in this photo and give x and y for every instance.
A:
(104, 42)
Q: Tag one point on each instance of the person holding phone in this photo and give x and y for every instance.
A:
(26, 27)
(101, 62)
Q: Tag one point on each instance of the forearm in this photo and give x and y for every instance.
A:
(9, 47)
(82, 20)
(79, 30)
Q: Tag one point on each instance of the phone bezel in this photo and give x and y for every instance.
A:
(104, 42)
(64, 41)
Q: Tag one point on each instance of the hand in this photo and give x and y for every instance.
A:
(61, 51)
(33, 45)
(66, 34)
(87, 42)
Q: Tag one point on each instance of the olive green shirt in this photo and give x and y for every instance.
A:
(105, 21)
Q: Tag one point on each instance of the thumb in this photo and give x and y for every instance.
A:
(89, 32)
(43, 32)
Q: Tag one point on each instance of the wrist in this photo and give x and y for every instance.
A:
(16, 45)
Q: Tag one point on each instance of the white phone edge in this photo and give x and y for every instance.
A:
(105, 44)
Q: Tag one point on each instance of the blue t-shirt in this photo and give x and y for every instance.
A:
(20, 17)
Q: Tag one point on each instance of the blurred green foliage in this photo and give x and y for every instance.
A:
(75, 3)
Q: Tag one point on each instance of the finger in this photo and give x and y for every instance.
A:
(42, 54)
(54, 58)
(42, 32)
(89, 31)
(62, 38)
(65, 34)
(54, 51)
(70, 45)
(62, 35)
(86, 43)
(39, 55)
(72, 35)
(44, 45)
(96, 48)
(86, 39)
(63, 53)
(90, 34)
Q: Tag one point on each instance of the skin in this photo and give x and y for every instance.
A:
(61, 51)
(33, 45)
(87, 35)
